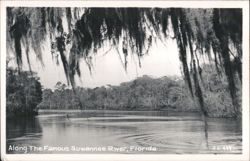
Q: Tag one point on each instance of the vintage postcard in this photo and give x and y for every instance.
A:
(124, 80)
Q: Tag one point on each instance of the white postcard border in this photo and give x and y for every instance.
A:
(122, 157)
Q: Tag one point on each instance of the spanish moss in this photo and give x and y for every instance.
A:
(199, 33)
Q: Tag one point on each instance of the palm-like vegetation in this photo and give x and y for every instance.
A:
(215, 34)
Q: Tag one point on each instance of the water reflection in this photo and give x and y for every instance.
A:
(22, 132)
(170, 133)
(20, 126)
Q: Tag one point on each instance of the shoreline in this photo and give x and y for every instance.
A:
(44, 111)
(77, 110)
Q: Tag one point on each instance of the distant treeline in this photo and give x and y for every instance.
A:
(23, 93)
(146, 93)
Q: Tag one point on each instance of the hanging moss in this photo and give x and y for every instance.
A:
(196, 32)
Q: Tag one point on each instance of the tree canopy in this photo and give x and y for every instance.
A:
(214, 34)
(145, 93)
(23, 93)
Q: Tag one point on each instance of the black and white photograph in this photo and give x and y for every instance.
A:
(124, 79)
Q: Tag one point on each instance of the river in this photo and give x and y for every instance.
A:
(122, 132)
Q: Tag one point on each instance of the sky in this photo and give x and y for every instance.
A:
(162, 60)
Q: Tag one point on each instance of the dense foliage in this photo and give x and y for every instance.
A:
(214, 34)
(145, 93)
(217, 99)
(23, 93)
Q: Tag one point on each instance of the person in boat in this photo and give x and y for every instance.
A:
(67, 115)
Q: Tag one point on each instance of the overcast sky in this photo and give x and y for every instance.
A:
(162, 60)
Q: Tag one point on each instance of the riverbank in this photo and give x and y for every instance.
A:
(108, 111)
(115, 112)
(170, 112)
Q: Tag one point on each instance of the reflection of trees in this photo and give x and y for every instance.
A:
(22, 126)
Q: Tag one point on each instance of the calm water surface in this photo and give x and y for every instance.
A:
(123, 132)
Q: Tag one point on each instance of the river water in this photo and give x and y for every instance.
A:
(147, 132)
